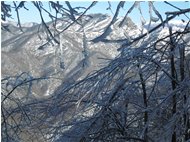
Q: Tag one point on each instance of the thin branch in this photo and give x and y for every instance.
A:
(106, 32)
(176, 8)
(18, 17)
(44, 23)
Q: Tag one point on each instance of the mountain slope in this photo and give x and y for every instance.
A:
(72, 60)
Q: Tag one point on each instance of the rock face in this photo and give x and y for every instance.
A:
(72, 60)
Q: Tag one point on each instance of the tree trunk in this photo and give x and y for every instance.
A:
(173, 71)
(143, 84)
(182, 75)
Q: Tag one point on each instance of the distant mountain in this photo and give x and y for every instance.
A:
(175, 24)
(72, 60)
(13, 23)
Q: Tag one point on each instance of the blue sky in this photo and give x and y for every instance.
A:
(33, 16)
